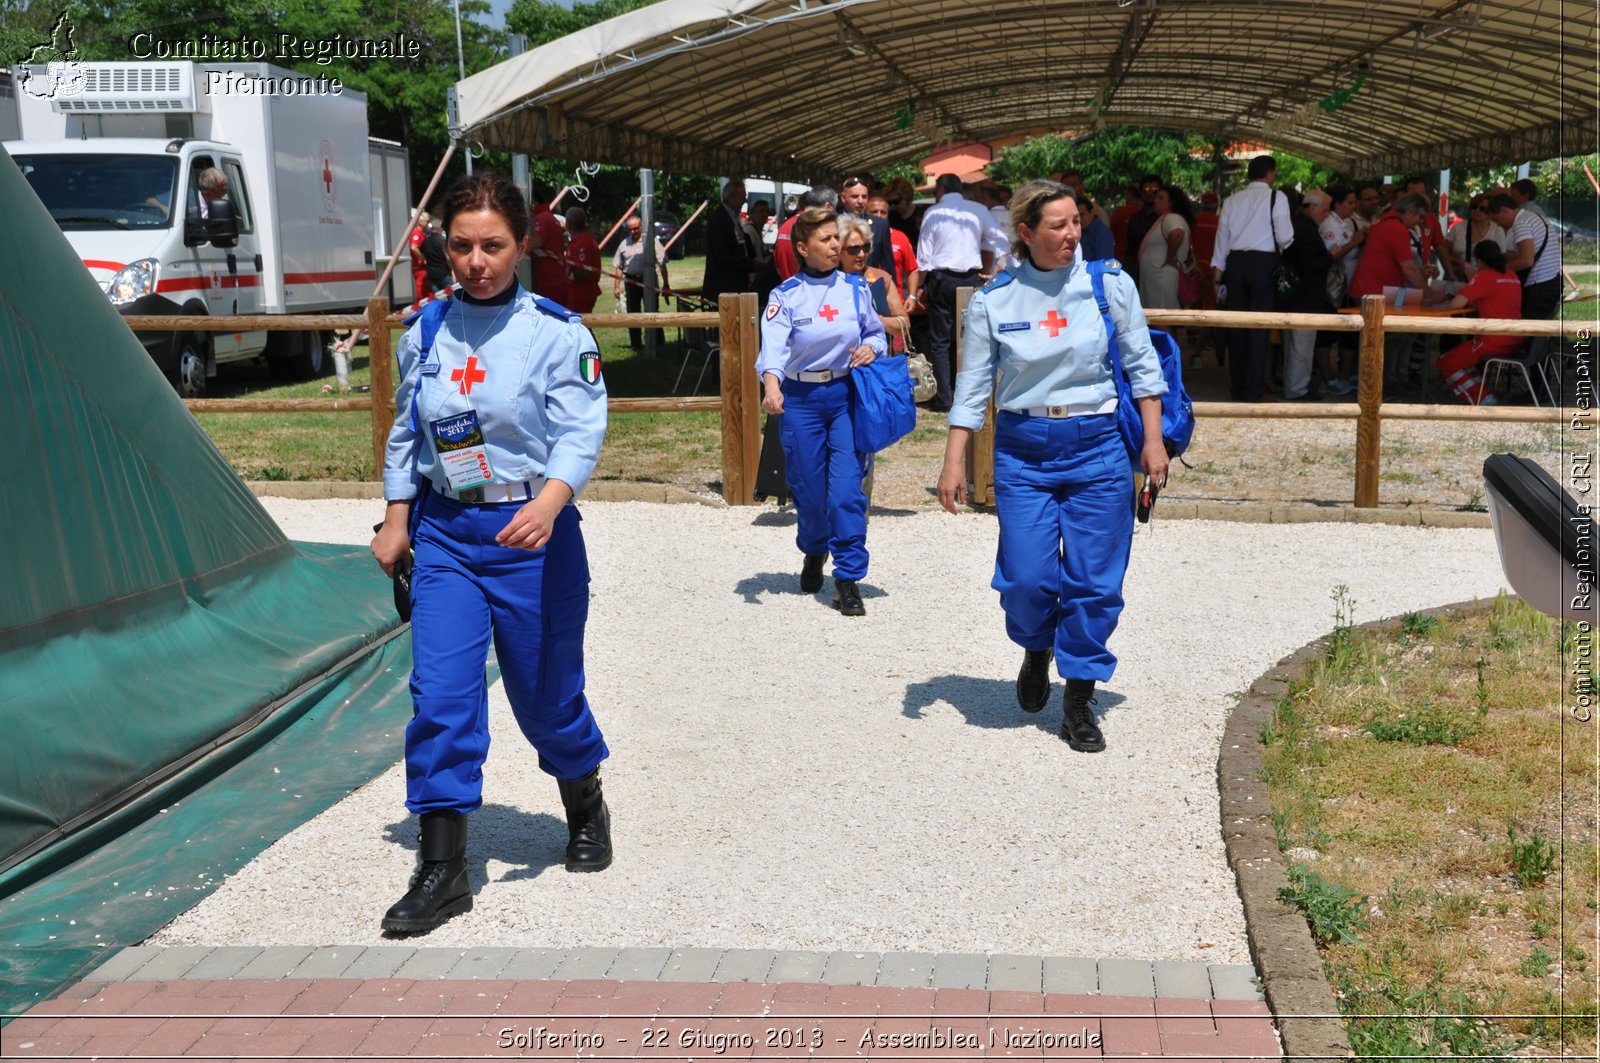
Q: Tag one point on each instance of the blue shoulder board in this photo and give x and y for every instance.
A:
(1000, 280)
(791, 283)
(857, 279)
(554, 309)
(1110, 265)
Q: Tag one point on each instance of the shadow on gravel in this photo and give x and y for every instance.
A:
(775, 518)
(531, 842)
(993, 702)
(752, 588)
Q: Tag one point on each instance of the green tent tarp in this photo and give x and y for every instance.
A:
(154, 616)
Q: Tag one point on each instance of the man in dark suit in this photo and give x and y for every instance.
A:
(730, 260)
(853, 201)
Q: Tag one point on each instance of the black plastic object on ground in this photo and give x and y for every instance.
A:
(1545, 538)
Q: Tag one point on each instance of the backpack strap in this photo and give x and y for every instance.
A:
(1097, 281)
(432, 318)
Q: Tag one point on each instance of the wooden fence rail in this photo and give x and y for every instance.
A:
(740, 399)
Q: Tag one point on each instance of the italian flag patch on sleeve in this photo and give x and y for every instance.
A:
(589, 366)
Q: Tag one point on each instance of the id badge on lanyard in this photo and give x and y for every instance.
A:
(458, 440)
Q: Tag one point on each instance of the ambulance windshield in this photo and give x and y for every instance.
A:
(97, 191)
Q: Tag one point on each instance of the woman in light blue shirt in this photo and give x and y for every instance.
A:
(501, 413)
(1063, 486)
(819, 325)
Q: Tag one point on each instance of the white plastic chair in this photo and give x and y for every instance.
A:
(1522, 363)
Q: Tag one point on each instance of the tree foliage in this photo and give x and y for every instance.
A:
(405, 99)
(1120, 155)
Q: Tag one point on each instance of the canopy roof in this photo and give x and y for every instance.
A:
(798, 88)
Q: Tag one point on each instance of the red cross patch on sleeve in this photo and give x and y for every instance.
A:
(772, 310)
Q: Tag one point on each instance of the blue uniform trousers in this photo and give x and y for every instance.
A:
(534, 603)
(825, 472)
(1062, 493)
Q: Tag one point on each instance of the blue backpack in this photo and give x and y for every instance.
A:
(1177, 409)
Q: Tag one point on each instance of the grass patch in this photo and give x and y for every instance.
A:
(1450, 799)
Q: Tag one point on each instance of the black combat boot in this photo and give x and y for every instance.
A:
(439, 888)
(1033, 682)
(847, 598)
(811, 573)
(588, 823)
(1078, 726)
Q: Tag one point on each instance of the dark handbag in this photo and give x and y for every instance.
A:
(883, 409)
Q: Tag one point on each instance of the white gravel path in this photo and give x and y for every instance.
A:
(782, 777)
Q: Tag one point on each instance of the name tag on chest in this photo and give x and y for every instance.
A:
(1014, 326)
(802, 321)
(429, 368)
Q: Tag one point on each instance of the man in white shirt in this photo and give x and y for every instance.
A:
(952, 252)
(1253, 228)
(1535, 257)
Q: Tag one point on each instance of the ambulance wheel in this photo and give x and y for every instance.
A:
(189, 366)
(306, 356)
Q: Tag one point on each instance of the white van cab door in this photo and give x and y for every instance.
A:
(227, 278)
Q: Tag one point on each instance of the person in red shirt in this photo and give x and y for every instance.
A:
(1386, 260)
(583, 263)
(547, 247)
(1132, 203)
(419, 265)
(1496, 292)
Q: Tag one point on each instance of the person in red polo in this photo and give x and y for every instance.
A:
(1387, 262)
(547, 246)
(1496, 292)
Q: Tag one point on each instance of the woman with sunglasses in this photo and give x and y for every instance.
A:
(855, 247)
(818, 326)
(1466, 236)
(1063, 477)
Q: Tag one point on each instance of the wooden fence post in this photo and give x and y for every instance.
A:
(1369, 394)
(380, 360)
(741, 398)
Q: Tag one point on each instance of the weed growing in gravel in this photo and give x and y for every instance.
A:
(1334, 911)
(1531, 858)
(1392, 1019)
(1427, 727)
(1538, 963)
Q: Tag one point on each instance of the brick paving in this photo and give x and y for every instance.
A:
(454, 1004)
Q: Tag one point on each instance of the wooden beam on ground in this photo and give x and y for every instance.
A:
(342, 404)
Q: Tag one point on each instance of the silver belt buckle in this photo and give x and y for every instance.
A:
(824, 376)
(1057, 411)
(470, 494)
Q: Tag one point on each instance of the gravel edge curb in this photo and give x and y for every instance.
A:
(1296, 987)
(1173, 509)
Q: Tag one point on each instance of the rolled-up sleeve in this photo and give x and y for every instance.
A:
(975, 381)
(575, 411)
(401, 454)
(1139, 359)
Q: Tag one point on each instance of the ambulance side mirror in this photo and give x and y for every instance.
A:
(224, 223)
